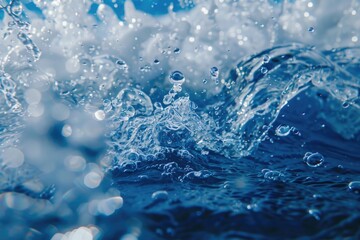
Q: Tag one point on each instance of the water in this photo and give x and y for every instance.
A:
(196, 120)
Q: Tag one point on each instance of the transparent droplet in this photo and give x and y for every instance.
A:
(177, 50)
(160, 195)
(345, 104)
(354, 186)
(314, 159)
(266, 58)
(311, 29)
(121, 64)
(283, 130)
(156, 61)
(99, 115)
(177, 77)
(214, 72)
(263, 70)
(66, 130)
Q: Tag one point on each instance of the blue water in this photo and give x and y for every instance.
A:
(179, 120)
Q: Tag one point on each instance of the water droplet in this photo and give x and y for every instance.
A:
(345, 104)
(205, 81)
(313, 159)
(121, 64)
(99, 115)
(273, 175)
(266, 58)
(283, 130)
(311, 29)
(177, 77)
(177, 50)
(263, 70)
(160, 195)
(315, 213)
(156, 61)
(214, 72)
(66, 130)
(354, 186)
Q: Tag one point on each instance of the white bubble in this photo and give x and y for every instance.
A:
(66, 130)
(92, 179)
(99, 115)
(81, 233)
(12, 157)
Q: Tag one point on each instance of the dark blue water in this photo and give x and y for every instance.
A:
(179, 120)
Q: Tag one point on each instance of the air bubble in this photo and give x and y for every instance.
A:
(345, 104)
(266, 59)
(283, 130)
(354, 186)
(263, 70)
(177, 77)
(99, 115)
(313, 159)
(160, 195)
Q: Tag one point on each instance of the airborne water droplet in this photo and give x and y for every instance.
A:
(266, 58)
(311, 29)
(177, 77)
(283, 130)
(263, 70)
(214, 72)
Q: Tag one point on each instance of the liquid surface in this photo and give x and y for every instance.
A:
(179, 119)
